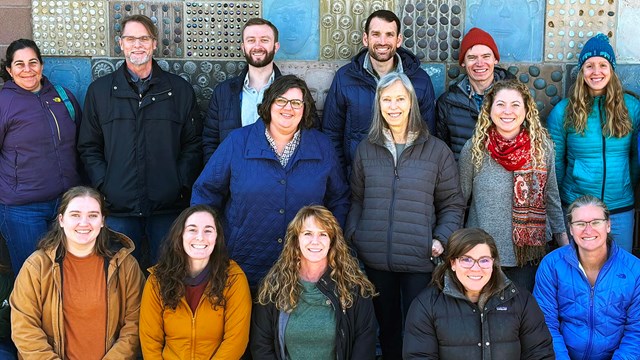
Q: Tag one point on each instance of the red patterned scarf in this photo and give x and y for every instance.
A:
(529, 203)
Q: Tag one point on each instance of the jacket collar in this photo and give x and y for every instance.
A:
(157, 84)
(237, 82)
(410, 63)
(46, 87)
(119, 244)
(257, 146)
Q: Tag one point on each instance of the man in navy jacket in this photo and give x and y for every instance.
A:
(348, 108)
(235, 101)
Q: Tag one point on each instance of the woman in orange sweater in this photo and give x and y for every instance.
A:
(196, 303)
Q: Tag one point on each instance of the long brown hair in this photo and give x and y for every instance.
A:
(461, 242)
(56, 238)
(616, 123)
(281, 286)
(173, 264)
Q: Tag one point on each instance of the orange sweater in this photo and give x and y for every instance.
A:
(207, 334)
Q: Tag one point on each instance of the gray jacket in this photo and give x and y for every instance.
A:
(398, 208)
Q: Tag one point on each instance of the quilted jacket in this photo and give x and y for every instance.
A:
(258, 197)
(591, 322)
(605, 167)
(348, 109)
(397, 209)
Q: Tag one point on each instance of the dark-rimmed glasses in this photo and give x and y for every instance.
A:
(144, 40)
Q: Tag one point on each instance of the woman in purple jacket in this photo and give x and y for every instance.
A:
(37, 149)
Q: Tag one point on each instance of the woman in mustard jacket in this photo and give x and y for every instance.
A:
(196, 303)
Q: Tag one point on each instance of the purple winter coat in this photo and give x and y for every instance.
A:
(38, 160)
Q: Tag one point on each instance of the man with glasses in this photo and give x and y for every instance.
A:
(235, 101)
(140, 140)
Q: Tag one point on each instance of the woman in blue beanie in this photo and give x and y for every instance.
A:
(595, 135)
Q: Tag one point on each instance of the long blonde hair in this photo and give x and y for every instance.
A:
(281, 286)
(616, 123)
(537, 133)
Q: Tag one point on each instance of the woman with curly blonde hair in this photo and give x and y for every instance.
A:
(508, 172)
(595, 136)
(315, 302)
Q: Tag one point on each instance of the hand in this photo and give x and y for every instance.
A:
(561, 238)
(436, 248)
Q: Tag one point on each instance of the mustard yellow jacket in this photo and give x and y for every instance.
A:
(220, 333)
(37, 324)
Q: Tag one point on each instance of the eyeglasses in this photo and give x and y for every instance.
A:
(581, 225)
(467, 262)
(144, 40)
(295, 103)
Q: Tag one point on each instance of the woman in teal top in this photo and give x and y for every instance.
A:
(595, 136)
(315, 302)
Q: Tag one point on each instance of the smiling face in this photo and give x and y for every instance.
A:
(199, 237)
(382, 40)
(597, 73)
(259, 45)
(475, 278)
(480, 62)
(314, 244)
(590, 238)
(285, 120)
(81, 222)
(507, 112)
(395, 105)
(26, 69)
(138, 52)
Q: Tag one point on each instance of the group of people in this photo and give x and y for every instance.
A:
(241, 215)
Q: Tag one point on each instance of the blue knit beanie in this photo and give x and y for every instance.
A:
(597, 46)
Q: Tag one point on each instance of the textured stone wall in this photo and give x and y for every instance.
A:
(199, 40)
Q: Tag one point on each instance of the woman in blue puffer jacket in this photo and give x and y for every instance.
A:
(589, 291)
(595, 133)
(37, 149)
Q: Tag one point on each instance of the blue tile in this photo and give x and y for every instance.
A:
(72, 73)
(298, 28)
(438, 76)
(517, 26)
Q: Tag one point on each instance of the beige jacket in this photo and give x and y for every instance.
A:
(36, 304)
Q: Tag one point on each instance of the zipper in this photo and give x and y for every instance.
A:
(604, 150)
(55, 120)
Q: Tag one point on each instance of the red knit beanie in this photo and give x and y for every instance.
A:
(474, 37)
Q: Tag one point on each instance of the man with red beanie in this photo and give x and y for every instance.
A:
(457, 109)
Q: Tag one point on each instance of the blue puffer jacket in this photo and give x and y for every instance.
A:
(259, 197)
(348, 110)
(599, 322)
(38, 160)
(605, 167)
(225, 112)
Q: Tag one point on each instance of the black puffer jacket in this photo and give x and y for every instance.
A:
(457, 112)
(397, 209)
(143, 153)
(355, 327)
(446, 325)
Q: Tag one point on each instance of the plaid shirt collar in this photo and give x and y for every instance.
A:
(289, 149)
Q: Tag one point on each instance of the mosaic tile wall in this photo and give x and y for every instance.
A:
(200, 40)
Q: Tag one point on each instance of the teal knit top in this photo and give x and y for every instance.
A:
(311, 329)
